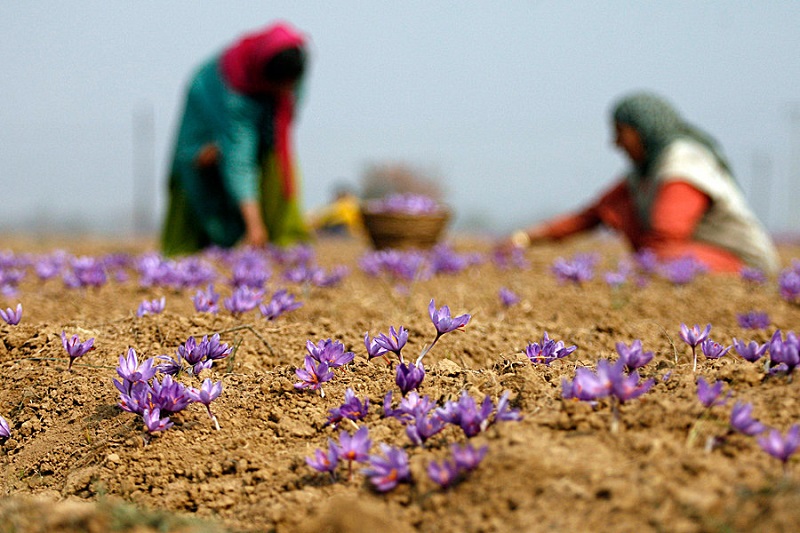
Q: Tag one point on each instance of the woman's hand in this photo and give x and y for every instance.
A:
(207, 156)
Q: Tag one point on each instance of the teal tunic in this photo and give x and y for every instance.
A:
(204, 203)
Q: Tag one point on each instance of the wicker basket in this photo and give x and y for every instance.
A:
(400, 230)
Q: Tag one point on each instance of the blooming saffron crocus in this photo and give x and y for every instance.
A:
(781, 447)
(633, 356)
(75, 348)
(168, 395)
(352, 409)
(508, 297)
(503, 413)
(693, 337)
(577, 270)
(424, 427)
(742, 422)
(324, 460)
(445, 474)
(411, 407)
(683, 270)
(206, 301)
(789, 283)
(353, 448)
(547, 351)
(387, 471)
(394, 342)
(710, 395)
(153, 421)
(207, 393)
(12, 316)
(313, 375)
(243, 299)
(374, 349)
(467, 457)
(751, 351)
(5, 431)
(752, 275)
(409, 376)
(466, 414)
(753, 320)
(330, 352)
(151, 307)
(281, 302)
(444, 323)
(785, 353)
(714, 350)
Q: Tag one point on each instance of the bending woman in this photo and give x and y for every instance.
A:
(678, 199)
(232, 178)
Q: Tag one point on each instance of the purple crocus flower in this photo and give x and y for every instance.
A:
(169, 396)
(633, 356)
(280, 303)
(387, 471)
(394, 342)
(151, 307)
(445, 474)
(466, 414)
(693, 337)
(588, 386)
(134, 397)
(373, 348)
(442, 320)
(714, 350)
(330, 352)
(411, 407)
(409, 376)
(5, 431)
(324, 460)
(752, 351)
(424, 427)
(781, 447)
(12, 316)
(784, 352)
(789, 283)
(503, 413)
(206, 301)
(207, 393)
(752, 275)
(742, 422)
(467, 457)
(683, 270)
(352, 409)
(75, 348)
(170, 365)
(753, 320)
(153, 421)
(508, 297)
(577, 270)
(243, 299)
(313, 375)
(709, 395)
(627, 387)
(354, 448)
(547, 351)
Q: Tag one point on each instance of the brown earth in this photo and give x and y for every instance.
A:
(76, 462)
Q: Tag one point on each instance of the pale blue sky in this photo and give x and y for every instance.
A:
(508, 101)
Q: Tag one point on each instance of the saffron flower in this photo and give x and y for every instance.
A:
(281, 302)
(752, 275)
(468, 457)
(789, 283)
(374, 349)
(151, 307)
(742, 422)
(714, 350)
(130, 370)
(352, 409)
(785, 353)
(206, 301)
(324, 460)
(153, 421)
(330, 352)
(12, 316)
(633, 356)
(394, 342)
(752, 351)
(444, 323)
(445, 474)
(411, 407)
(313, 375)
(75, 348)
(683, 270)
(508, 297)
(693, 337)
(710, 395)
(353, 448)
(5, 431)
(753, 320)
(243, 299)
(168, 395)
(577, 270)
(547, 351)
(387, 471)
(424, 427)
(409, 377)
(781, 447)
(207, 393)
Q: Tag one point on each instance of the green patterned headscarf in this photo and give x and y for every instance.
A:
(658, 124)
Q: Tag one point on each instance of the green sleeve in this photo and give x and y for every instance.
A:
(239, 144)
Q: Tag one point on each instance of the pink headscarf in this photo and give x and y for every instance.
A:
(242, 67)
